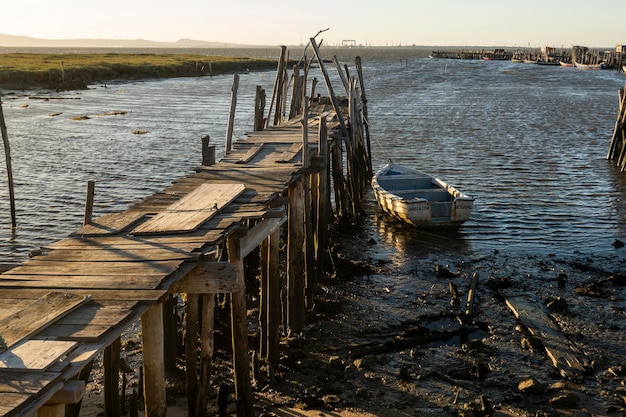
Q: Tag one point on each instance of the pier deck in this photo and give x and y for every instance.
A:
(63, 307)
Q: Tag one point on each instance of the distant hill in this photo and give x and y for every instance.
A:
(28, 42)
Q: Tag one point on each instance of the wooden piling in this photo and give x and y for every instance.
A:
(208, 151)
(295, 260)
(259, 109)
(241, 360)
(89, 202)
(154, 369)
(111, 365)
(617, 147)
(7, 155)
(191, 351)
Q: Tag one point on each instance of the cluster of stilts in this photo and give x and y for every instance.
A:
(617, 149)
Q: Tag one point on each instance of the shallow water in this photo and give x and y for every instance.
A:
(528, 142)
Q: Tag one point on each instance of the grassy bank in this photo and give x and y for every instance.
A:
(76, 71)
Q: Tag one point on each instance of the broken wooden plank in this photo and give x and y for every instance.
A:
(35, 355)
(557, 347)
(38, 315)
(250, 154)
(289, 154)
(191, 211)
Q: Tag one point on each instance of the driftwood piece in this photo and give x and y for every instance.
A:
(557, 347)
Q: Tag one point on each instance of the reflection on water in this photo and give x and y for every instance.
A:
(527, 142)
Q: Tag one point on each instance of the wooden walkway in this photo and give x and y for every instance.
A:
(62, 308)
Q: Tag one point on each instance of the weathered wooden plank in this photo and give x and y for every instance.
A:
(212, 231)
(111, 223)
(28, 383)
(251, 153)
(11, 306)
(10, 403)
(85, 282)
(34, 355)
(192, 210)
(87, 324)
(94, 313)
(38, 315)
(86, 333)
(118, 297)
(36, 266)
(129, 254)
(557, 347)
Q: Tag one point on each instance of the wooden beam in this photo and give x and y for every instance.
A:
(260, 232)
(153, 355)
(71, 393)
(208, 278)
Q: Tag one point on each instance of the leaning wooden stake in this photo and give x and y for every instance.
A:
(471, 295)
(231, 114)
(7, 154)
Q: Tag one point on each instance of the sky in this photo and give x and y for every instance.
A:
(522, 23)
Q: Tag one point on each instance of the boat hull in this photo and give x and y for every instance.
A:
(420, 199)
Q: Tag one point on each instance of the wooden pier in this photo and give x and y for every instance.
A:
(267, 202)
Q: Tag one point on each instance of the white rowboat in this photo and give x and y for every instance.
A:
(420, 199)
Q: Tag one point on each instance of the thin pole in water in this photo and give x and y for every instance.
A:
(7, 154)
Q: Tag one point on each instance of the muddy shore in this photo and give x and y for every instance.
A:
(389, 335)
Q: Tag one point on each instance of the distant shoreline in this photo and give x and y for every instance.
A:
(75, 71)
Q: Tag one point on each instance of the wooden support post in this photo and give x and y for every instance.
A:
(264, 324)
(53, 410)
(208, 151)
(7, 155)
(206, 352)
(231, 114)
(296, 93)
(259, 109)
(309, 258)
(359, 70)
(111, 364)
(239, 309)
(170, 333)
(273, 299)
(329, 88)
(89, 202)
(342, 75)
(277, 82)
(153, 354)
(70, 394)
(191, 351)
(295, 258)
(314, 82)
(323, 204)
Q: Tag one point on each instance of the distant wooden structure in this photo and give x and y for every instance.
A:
(60, 309)
(617, 147)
